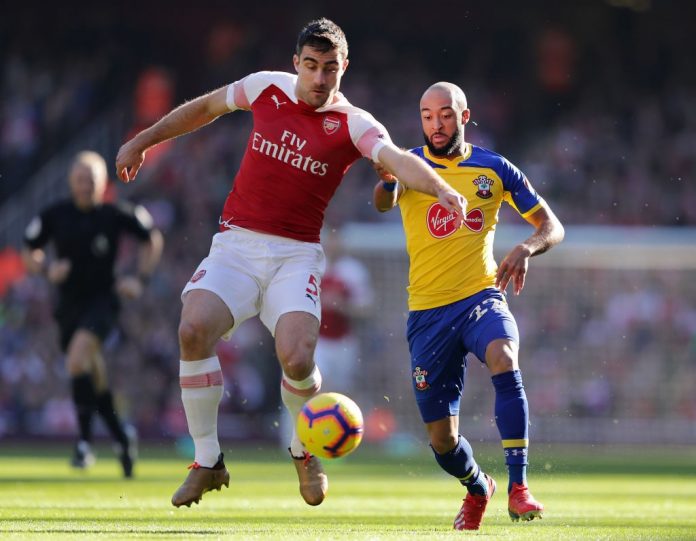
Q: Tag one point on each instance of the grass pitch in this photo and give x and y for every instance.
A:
(589, 493)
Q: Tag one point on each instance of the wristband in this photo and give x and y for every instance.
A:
(389, 186)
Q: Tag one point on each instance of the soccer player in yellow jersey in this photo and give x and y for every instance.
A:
(457, 296)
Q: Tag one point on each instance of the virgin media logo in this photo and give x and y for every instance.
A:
(441, 222)
(474, 220)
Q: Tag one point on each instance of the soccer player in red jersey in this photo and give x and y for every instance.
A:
(457, 297)
(267, 259)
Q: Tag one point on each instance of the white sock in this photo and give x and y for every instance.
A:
(201, 392)
(294, 395)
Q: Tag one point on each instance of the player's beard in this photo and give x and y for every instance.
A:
(452, 147)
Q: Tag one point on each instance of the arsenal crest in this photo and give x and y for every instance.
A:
(419, 376)
(331, 125)
(200, 274)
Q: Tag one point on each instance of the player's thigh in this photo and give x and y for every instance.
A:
(205, 315)
(295, 285)
(81, 351)
(85, 324)
(438, 362)
(99, 372)
(229, 274)
(488, 321)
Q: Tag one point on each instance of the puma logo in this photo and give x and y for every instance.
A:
(312, 291)
(277, 102)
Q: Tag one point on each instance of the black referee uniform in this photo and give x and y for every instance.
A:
(89, 239)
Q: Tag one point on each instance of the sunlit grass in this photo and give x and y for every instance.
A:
(589, 494)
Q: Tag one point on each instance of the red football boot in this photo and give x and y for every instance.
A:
(473, 508)
(522, 505)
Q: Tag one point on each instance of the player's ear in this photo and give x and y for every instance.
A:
(466, 115)
(296, 62)
(345, 64)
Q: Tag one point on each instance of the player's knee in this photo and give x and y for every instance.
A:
(194, 338)
(443, 442)
(296, 358)
(76, 365)
(82, 350)
(501, 364)
(501, 356)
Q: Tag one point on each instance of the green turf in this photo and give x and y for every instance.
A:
(589, 493)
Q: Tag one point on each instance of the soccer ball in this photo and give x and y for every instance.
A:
(330, 425)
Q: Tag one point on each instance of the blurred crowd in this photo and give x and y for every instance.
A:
(596, 104)
(618, 342)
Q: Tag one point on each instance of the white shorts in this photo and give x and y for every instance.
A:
(255, 273)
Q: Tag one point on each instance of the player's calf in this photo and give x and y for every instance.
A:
(129, 453)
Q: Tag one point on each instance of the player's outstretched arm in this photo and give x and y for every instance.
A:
(387, 191)
(184, 119)
(416, 175)
(549, 232)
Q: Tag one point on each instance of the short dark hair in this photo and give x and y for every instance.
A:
(322, 35)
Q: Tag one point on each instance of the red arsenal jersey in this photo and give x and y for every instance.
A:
(295, 158)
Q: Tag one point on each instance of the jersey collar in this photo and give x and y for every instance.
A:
(447, 162)
(338, 102)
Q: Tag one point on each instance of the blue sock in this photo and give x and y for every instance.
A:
(512, 418)
(460, 463)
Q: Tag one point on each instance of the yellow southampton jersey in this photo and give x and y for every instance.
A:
(448, 265)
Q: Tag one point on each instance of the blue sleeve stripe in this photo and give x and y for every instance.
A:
(523, 195)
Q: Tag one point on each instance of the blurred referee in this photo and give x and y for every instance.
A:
(85, 234)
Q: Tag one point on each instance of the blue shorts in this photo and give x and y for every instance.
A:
(439, 340)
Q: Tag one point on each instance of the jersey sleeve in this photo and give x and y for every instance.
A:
(136, 220)
(518, 191)
(368, 135)
(38, 231)
(242, 93)
(236, 98)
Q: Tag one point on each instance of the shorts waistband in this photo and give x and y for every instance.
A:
(250, 234)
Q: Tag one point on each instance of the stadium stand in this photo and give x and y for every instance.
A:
(603, 120)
